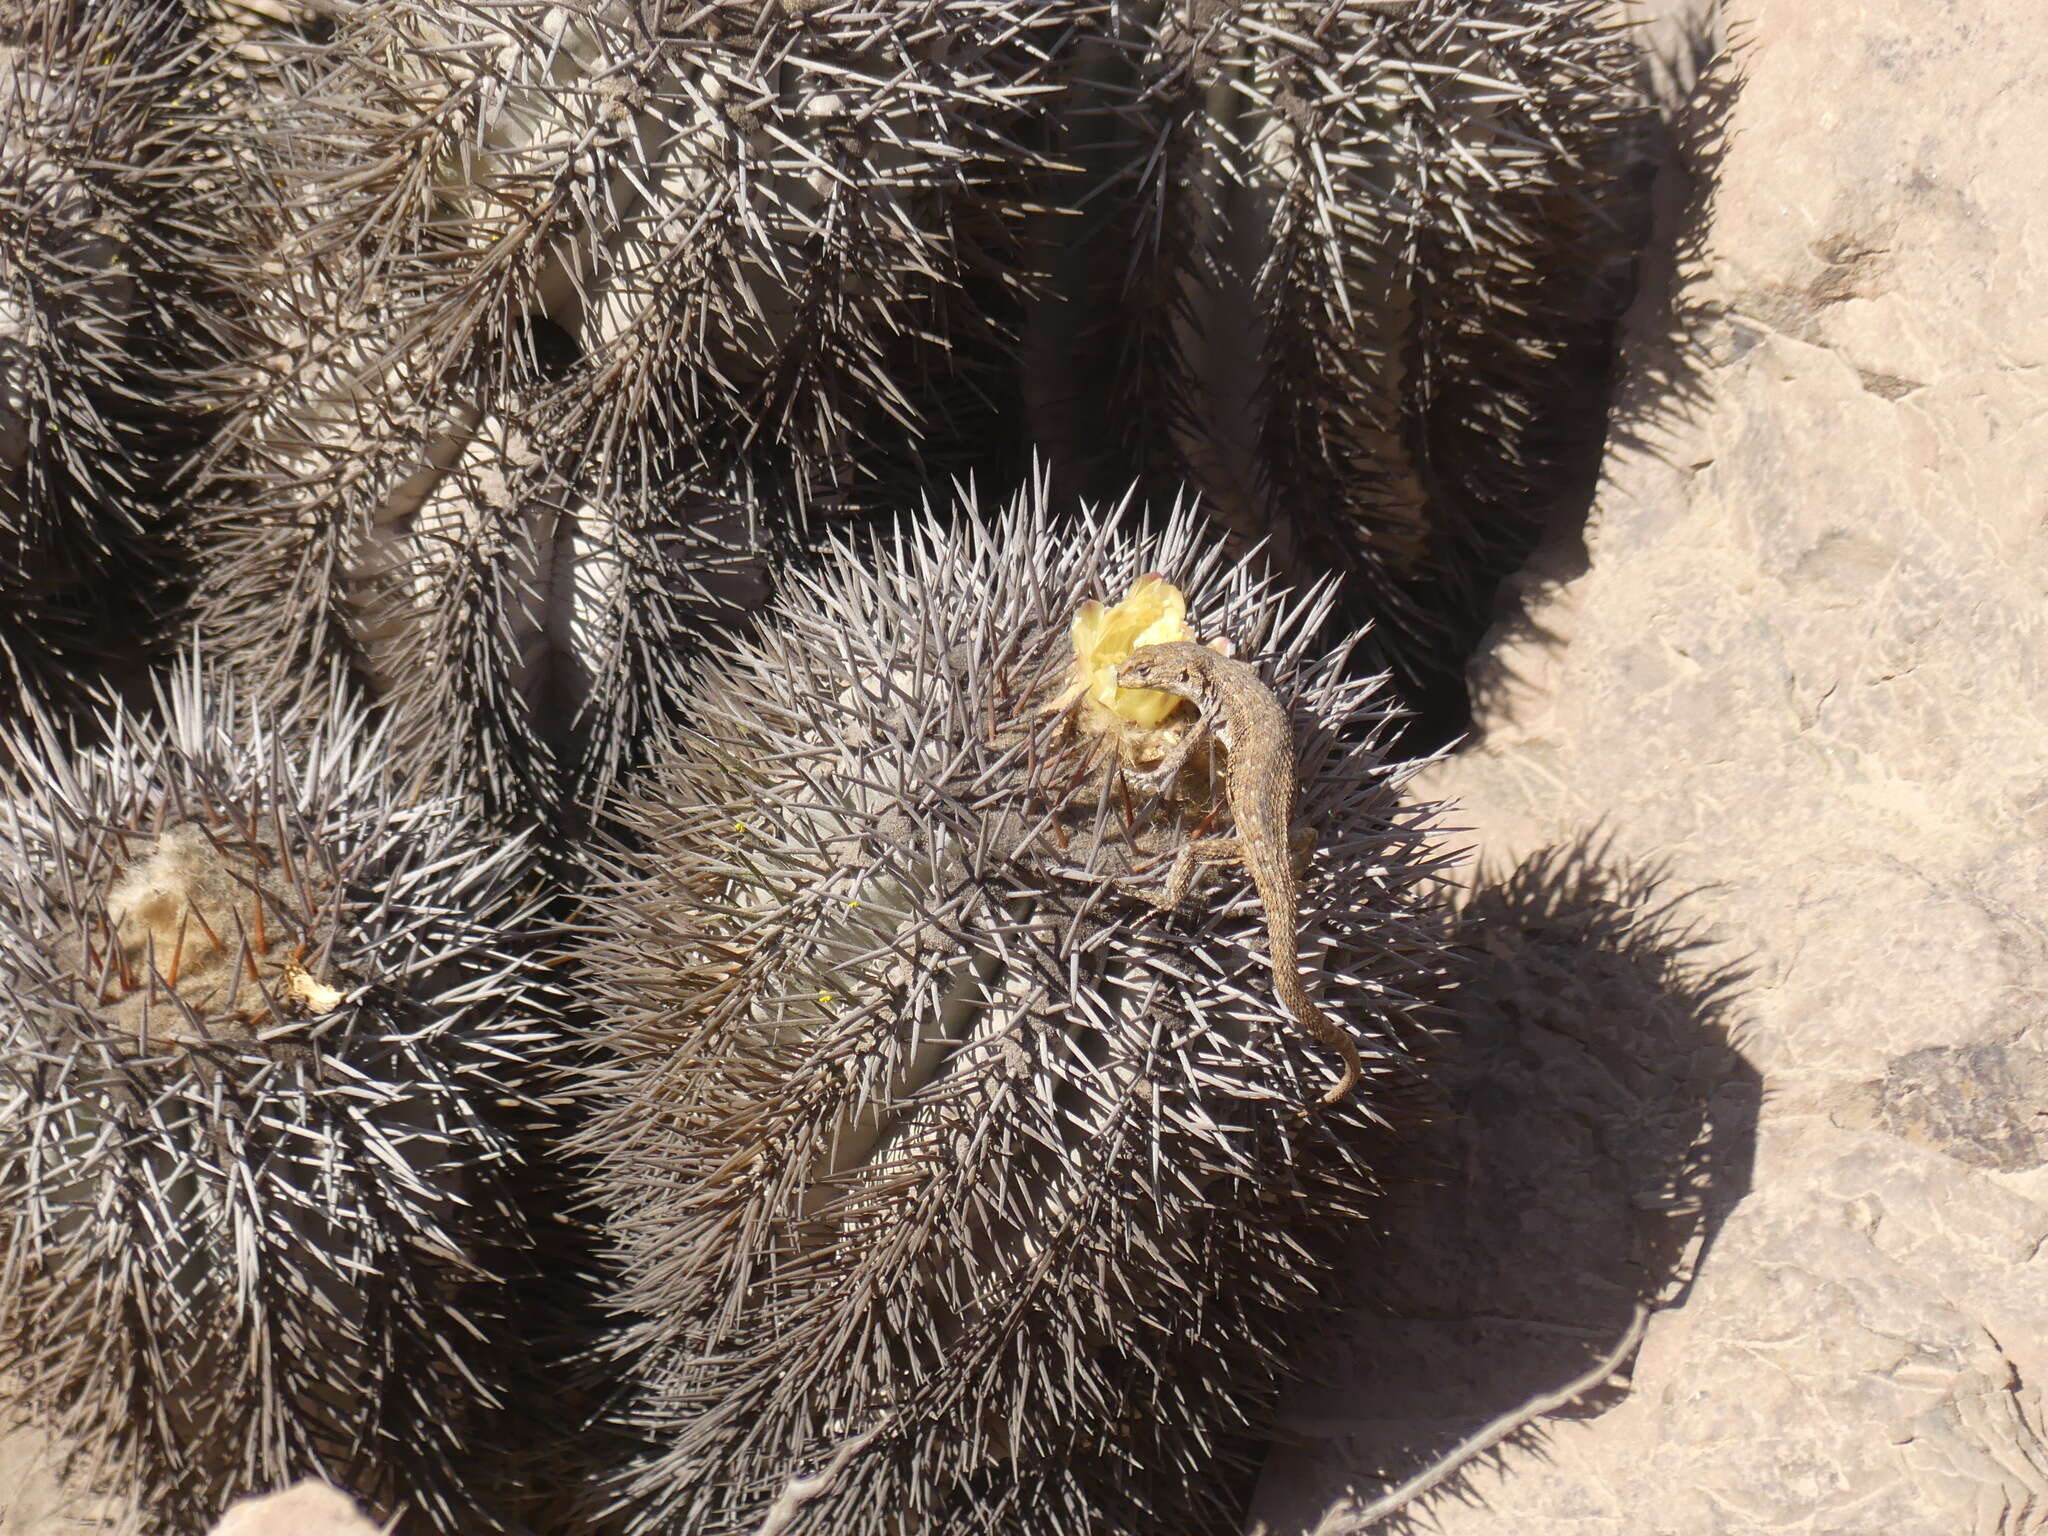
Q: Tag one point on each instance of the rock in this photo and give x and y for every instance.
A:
(1761, 1036)
(310, 1508)
(34, 1497)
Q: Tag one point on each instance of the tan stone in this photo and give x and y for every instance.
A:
(310, 1508)
(36, 1501)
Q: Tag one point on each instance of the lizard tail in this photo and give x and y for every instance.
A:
(1343, 1045)
(1287, 982)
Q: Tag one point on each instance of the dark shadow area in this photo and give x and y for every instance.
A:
(1667, 340)
(1697, 73)
(1597, 1125)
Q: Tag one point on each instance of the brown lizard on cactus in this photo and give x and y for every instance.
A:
(1240, 711)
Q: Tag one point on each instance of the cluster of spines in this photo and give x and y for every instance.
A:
(272, 1033)
(1361, 261)
(1113, 391)
(1515, 249)
(634, 293)
(105, 322)
(923, 1131)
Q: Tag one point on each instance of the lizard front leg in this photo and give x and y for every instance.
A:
(1162, 777)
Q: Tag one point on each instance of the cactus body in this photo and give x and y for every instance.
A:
(927, 1140)
(1351, 271)
(270, 1026)
(553, 285)
(103, 323)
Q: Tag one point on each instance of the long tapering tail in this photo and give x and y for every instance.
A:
(1287, 983)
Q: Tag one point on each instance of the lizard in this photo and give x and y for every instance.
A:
(1241, 712)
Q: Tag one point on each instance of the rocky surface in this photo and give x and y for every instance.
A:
(34, 1498)
(35, 1501)
(1759, 804)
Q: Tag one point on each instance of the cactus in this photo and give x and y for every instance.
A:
(1362, 263)
(750, 226)
(941, 1168)
(539, 336)
(522, 632)
(269, 1048)
(100, 320)
(575, 315)
(1502, 265)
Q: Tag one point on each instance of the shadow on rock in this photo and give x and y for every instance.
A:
(1671, 337)
(1671, 330)
(1598, 1125)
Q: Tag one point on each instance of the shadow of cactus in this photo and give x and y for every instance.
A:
(1599, 1124)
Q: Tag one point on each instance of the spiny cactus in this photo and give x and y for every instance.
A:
(270, 1039)
(610, 289)
(751, 223)
(1361, 261)
(1130, 240)
(1502, 265)
(101, 179)
(941, 1167)
(522, 631)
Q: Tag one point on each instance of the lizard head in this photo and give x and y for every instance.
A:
(1179, 667)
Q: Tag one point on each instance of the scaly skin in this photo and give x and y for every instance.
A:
(1259, 786)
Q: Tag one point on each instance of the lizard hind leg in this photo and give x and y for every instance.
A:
(1194, 853)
